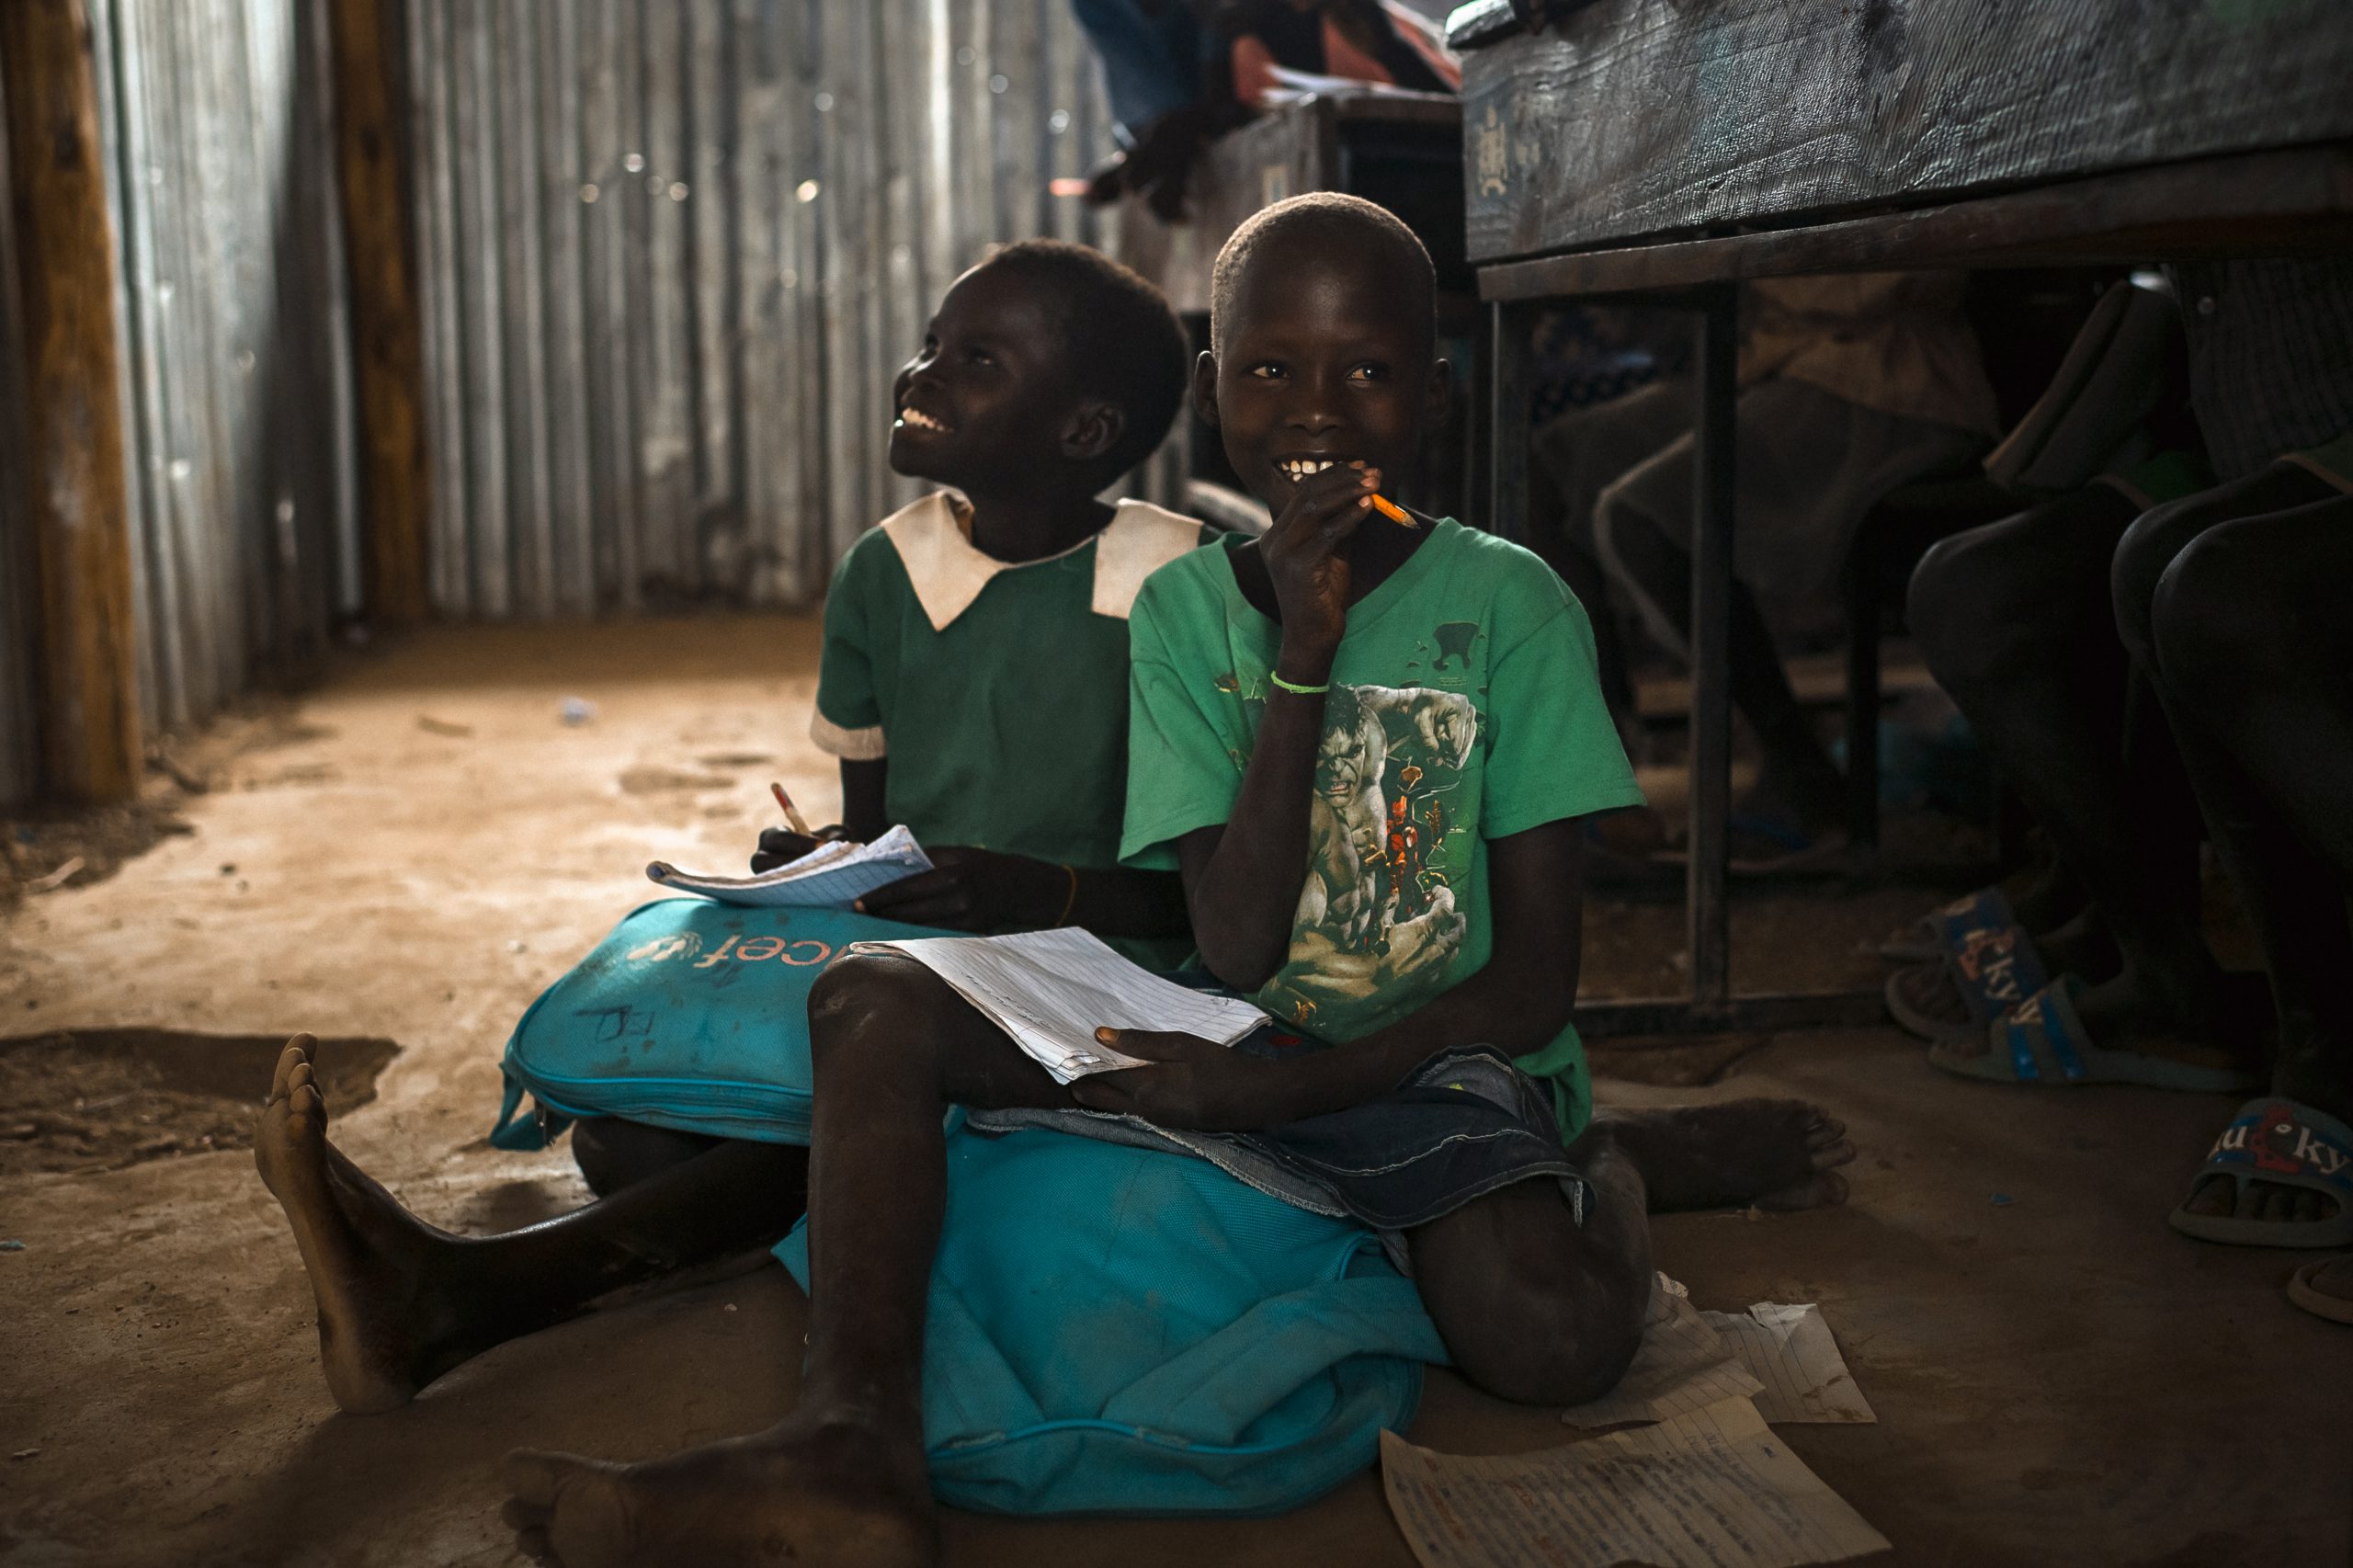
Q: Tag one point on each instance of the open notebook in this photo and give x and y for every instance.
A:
(831, 876)
(1051, 990)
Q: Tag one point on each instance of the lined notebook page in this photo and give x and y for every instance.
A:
(1713, 1489)
(832, 876)
(1051, 990)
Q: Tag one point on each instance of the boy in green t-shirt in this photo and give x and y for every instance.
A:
(1423, 949)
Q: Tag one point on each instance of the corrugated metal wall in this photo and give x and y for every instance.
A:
(671, 254)
(233, 318)
(235, 359)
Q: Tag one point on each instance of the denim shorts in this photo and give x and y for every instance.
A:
(1466, 1123)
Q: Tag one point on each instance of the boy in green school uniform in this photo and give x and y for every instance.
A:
(973, 677)
(973, 684)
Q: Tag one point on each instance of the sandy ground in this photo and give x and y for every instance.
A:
(2058, 1377)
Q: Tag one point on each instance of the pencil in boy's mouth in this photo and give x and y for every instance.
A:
(915, 418)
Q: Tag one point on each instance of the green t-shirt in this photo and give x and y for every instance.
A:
(1464, 707)
(998, 692)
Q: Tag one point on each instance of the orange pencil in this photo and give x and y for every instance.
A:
(1393, 512)
(790, 816)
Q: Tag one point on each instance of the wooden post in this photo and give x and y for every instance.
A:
(386, 341)
(79, 504)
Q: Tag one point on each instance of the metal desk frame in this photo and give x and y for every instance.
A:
(2291, 201)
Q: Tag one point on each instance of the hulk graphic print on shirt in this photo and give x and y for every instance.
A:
(1388, 819)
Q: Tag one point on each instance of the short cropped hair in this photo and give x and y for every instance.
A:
(1325, 217)
(1122, 341)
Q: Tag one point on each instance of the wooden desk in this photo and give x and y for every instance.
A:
(1640, 149)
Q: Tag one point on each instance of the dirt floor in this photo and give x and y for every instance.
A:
(428, 843)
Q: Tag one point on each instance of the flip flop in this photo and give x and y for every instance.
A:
(1923, 941)
(2336, 1309)
(1992, 964)
(2289, 1142)
(2042, 1041)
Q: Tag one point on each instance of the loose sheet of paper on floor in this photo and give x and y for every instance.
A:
(1713, 1489)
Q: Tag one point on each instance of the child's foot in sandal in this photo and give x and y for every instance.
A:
(2281, 1175)
(2118, 1032)
(1986, 969)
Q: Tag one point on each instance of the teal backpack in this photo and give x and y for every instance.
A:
(1117, 1330)
(692, 1015)
(1111, 1329)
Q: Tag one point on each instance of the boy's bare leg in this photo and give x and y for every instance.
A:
(400, 1302)
(1539, 1309)
(842, 1480)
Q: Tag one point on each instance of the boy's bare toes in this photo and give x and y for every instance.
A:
(1828, 1157)
(297, 1052)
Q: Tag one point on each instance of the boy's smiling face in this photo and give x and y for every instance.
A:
(987, 395)
(1325, 356)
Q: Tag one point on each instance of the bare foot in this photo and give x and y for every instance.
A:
(1774, 1153)
(368, 1296)
(810, 1492)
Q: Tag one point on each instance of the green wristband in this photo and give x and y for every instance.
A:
(1302, 690)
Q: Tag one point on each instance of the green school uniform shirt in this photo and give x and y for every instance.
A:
(998, 692)
(1464, 707)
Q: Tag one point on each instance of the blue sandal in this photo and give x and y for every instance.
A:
(1990, 961)
(2288, 1143)
(2042, 1041)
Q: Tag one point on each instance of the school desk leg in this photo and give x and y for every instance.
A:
(1705, 904)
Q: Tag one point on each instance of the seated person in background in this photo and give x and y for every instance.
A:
(1289, 694)
(975, 684)
(2226, 601)
(1182, 73)
(1155, 56)
(1850, 386)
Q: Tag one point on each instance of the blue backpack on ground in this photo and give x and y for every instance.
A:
(692, 1015)
(1117, 1330)
(1111, 1329)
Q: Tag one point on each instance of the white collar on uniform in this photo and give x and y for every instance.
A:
(934, 541)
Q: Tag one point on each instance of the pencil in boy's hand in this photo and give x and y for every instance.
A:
(1393, 512)
(785, 800)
